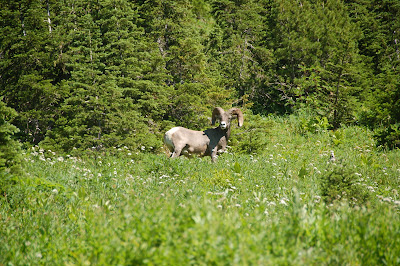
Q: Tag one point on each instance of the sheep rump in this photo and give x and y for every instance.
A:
(175, 138)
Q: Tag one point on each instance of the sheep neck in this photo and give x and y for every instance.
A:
(226, 132)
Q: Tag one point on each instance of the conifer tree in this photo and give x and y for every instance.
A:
(318, 62)
(10, 152)
(27, 76)
(238, 46)
(179, 28)
(132, 61)
(380, 46)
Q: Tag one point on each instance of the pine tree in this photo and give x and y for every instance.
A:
(380, 47)
(240, 48)
(132, 59)
(114, 89)
(10, 152)
(27, 78)
(318, 62)
(180, 28)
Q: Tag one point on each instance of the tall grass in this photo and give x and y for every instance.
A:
(267, 208)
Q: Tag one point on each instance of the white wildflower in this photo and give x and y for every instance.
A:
(317, 199)
(387, 199)
(283, 201)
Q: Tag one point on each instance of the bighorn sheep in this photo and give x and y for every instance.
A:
(183, 141)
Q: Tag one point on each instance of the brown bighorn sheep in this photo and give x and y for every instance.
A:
(183, 141)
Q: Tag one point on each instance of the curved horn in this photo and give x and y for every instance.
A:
(236, 111)
(217, 114)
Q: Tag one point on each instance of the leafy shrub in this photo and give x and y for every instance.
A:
(221, 178)
(253, 136)
(9, 149)
(313, 124)
(388, 136)
(337, 137)
(306, 121)
(341, 184)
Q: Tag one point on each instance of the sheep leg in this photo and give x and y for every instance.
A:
(176, 153)
(213, 154)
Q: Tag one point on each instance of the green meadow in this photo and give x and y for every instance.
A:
(286, 203)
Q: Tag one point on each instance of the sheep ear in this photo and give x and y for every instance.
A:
(239, 114)
(217, 114)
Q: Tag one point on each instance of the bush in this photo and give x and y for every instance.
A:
(313, 124)
(9, 149)
(253, 136)
(388, 136)
(306, 121)
(341, 184)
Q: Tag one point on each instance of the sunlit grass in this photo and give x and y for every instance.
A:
(267, 208)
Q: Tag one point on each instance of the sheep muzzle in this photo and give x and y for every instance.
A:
(223, 125)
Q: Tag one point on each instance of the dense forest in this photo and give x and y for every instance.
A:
(104, 73)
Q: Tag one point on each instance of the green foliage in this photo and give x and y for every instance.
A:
(342, 184)
(378, 44)
(389, 136)
(109, 77)
(76, 70)
(10, 152)
(253, 136)
(245, 209)
(220, 179)
(28, 73)
(337, 137)
(306, 121)
(320, 66)
(9, 147)
(314, 125)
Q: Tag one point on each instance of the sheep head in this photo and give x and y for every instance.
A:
(225, 118)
